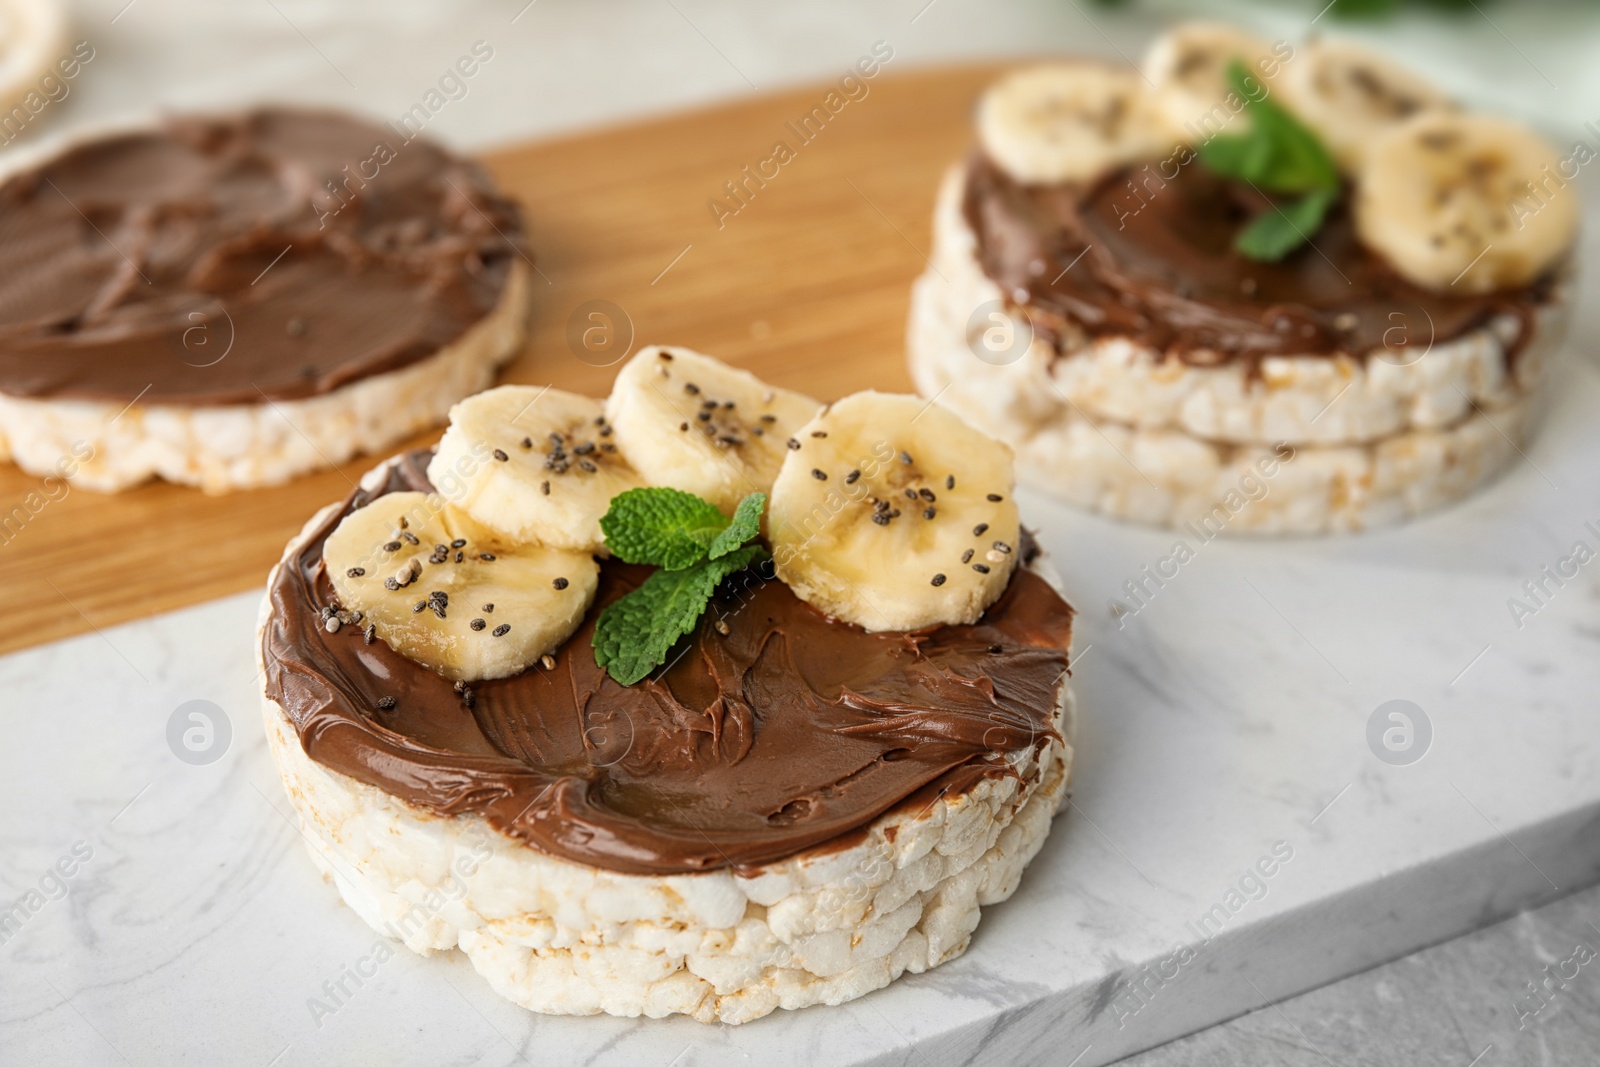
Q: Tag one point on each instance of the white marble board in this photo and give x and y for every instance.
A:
(1228, 715)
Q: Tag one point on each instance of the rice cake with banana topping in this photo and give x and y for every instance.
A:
(1108, 326)
(792, 810)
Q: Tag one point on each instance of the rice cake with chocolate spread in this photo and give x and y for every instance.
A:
(794, 812)
(1146, 367)
(229, 301)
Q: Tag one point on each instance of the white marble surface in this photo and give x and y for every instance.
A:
(1466, 1001)
(1228, 715)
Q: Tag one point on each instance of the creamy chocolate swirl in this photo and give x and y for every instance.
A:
(313, 248)
(790, 731)
(1138, 255)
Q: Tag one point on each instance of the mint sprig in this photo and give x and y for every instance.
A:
(634, 634)
(664, 527)
(1278, 154)
(695, 545)
(1271, 236)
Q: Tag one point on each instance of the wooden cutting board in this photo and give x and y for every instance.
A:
(806, 284)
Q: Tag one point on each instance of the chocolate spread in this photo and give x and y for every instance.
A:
(277, 254)
(788, 732)
(1158, 265)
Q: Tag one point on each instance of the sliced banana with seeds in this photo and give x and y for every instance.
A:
(687, 421)
(1069, 122)
(1350, 95)
(447, 592)
(533, 464)
(1188, 65)
(1465, 203)
(894, 514)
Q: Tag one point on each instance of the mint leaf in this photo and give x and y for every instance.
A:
(1278, 154)
(1298, 159)
(1297, 162)
(745, 525)
(695, 545)
(1274, 234)
(634, 634)
(665, 527)
(1248, 159)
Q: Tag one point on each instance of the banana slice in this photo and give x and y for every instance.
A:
(1068, 122)
(1350, 95)
(687, 421)
(444, 591)
(533, 465)
(1188, 65)
(894, 514)
(1466, 203)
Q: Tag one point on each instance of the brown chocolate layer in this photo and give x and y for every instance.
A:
(1157, 265)
(313, 248)
(789, 732)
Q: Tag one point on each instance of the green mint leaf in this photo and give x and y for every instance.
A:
(1299, 163)
(1277, 154)
(1247, 85)
(696, 547)
(1274, 234)
(745, 525)
(665, 527)
(1249, 159)
(634, 634)
(1288, 157)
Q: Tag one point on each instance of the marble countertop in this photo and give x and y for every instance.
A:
(1233, 837)
(1224, 726)
(1512, 993)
